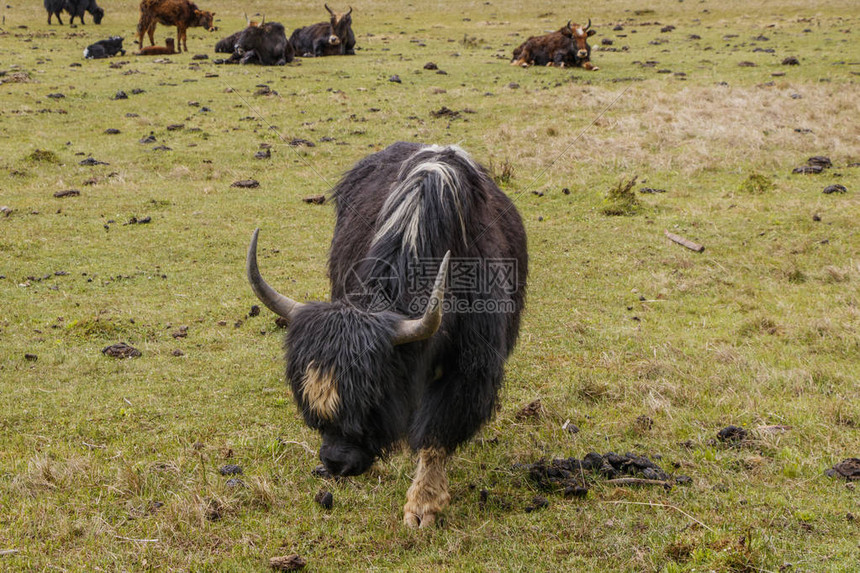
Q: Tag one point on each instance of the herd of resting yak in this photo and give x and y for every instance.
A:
(266, 43)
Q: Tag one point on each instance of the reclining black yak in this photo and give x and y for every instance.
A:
(396, 355)
(332, 38)
(264, 44)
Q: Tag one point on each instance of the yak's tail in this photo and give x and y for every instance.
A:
(426, 212)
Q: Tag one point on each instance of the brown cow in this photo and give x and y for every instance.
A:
(165, 50)
(567, 46)
(180, 13)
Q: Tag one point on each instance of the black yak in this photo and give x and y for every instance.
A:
(399, 352)
(332, 38)
(264, 44)
(567, 46)
(104, 48)
(76, 9)
(55, 8)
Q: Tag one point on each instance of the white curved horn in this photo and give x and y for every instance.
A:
(412, 330)
(281, 305)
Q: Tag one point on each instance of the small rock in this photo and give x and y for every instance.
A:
(395, 79)
(821, 160)
(56, 96)
(91, 161)
(790, 61)
(30, 357)
(649, 190)
(178, 353)
(848, 469)
(538, 502)
(67, 193)
(199, 57)
(531, 410)
(835, 189)
(121, 350)
(230, 470)
(746, 64)
(314, 199)
(287, 563)
(808, 169)
(514, 86)
(575, 491)
(732, 434)
(246, 184)
(298, 141)
(255, 310)
(149, 138)
(683, 480)
(430, 66)
(120, 95)
(267, 154)
(175, 126)
(235, 482)
(325, 499)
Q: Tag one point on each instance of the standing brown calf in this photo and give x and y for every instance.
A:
(180, 13)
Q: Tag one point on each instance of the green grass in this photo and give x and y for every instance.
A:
(113, 464)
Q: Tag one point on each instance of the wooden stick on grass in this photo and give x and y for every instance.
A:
(685, 242)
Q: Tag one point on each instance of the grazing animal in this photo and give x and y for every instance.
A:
(265, 44)
(104, 48)
(76, 8)
(567, 46)
(166, 50)
(55, 8)
(180, 13)
(332, 38)
(394, 356)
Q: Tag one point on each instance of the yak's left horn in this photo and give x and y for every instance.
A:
(350, 11)
(587, 27)
(413, 330)
(281, 305)
(330, 11)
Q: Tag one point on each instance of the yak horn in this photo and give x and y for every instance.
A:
(350, 11)
(413, 330)
(247, 20)
(587, 27)
(330, 11)
(281, 305)
(264, 21)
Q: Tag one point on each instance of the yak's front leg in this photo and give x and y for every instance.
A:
(428, 494)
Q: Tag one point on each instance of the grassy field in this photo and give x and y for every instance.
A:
(643, 345)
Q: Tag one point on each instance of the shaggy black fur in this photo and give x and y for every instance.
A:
(55, 8)
(76, 9)
(104, 48)
(266, 45)
(436, 392)
(316, 40)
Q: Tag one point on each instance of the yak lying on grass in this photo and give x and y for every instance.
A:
(396, 355)
(104, 48)
(566, 47)
(332, 38)
(264, 44)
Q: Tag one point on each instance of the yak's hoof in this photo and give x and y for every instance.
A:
(415, 520)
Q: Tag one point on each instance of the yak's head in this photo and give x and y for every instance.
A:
(348, 378)
(204, 19)
(341, 24)
(580, 36)
(98, 13)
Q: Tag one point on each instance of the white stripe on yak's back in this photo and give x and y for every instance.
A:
(403, 211)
